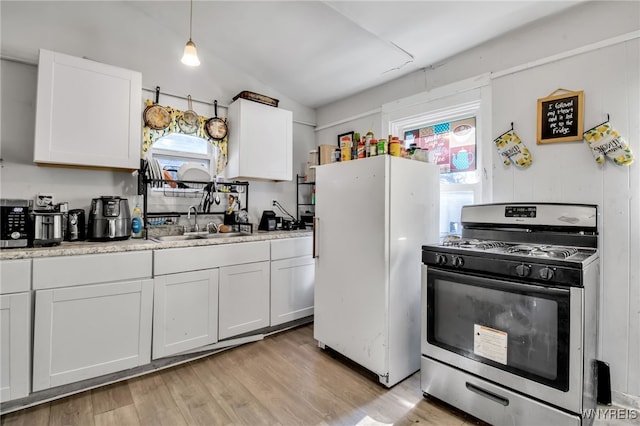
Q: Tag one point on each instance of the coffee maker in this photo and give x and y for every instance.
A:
(76, 225)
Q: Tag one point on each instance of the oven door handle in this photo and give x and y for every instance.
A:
(499, 284)
(489, 395)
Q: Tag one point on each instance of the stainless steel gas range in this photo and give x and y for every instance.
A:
(509, 314)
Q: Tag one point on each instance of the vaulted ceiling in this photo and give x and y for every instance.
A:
(314, 52)
(319, 51)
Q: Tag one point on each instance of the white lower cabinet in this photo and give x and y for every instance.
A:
(15, 345)
(185, 311)
(292, 289)
(292, 279)
(15, 329)
(86, 331)
(243, 298)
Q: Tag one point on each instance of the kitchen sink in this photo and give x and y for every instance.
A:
(198, 236)
(226, 235)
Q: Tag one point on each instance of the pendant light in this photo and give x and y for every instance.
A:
(190, 56)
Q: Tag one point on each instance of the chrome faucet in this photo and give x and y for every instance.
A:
(195, 217)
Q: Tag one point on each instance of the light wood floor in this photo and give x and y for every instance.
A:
(284, 379)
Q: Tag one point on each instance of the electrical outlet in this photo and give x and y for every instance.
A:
(45, 200)
(274, 203)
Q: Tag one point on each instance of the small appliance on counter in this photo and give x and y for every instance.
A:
(268, 221)
(76, 225)
(109, 219)
(16, 223)
(47, 228)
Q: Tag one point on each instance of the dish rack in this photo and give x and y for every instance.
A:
(159, 219)
(190, 189)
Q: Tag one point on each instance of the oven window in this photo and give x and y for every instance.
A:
(518, 328)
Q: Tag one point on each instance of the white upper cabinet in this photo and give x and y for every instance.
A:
(87, 113)
(260, 142)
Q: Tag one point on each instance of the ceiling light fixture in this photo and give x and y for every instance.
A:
(190, 56)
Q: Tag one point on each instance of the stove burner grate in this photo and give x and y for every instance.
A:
(550, 251)
(455, 241)
(490, 244)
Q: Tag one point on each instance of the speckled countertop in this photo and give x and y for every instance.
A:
(91, 247)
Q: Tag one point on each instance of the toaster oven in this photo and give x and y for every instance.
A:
(14, 216)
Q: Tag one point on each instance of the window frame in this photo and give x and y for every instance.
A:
(467, 98)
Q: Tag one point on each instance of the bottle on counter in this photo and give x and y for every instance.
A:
(373, 148)
(394, 146)
(368, 137)
(382, 146)
(136, 222)
(354, 146)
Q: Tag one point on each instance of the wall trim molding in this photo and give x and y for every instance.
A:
(567, 54)
(352, 118)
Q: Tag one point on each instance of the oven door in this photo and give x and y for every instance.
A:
(521, 336)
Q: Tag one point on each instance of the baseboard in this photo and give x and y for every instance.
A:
(625, 400)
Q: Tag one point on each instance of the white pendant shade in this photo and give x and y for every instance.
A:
(190, 56)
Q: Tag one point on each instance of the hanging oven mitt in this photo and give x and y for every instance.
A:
(605, 140)
(512, 150)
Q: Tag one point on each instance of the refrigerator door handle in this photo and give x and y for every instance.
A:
(315, 237)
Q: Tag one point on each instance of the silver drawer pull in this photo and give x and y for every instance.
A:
(490, 395)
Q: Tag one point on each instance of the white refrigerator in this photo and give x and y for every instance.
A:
(372, 217)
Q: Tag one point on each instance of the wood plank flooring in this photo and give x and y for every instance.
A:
(284, 379)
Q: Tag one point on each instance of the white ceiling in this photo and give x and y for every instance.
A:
(316, 52)
(313, 52)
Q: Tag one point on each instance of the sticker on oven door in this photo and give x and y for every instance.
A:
(490, 343)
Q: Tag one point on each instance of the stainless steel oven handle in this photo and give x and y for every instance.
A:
(489, 395)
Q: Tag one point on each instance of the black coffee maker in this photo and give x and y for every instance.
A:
(76, 225)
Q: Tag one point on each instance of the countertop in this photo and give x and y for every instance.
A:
(91, 247)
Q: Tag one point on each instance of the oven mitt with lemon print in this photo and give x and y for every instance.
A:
(512, 150)
(605, 140)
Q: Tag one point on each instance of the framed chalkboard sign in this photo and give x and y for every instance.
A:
(560, 117)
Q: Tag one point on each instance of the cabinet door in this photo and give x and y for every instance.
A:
(292, 289)
(87, 113)
(185, 312)
(243, 298)
(87, 331)
(261, 143)
(15, 345)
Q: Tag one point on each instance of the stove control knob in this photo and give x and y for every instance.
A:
(441, 259)
(523, 270)
(546, 273)
(457, 261)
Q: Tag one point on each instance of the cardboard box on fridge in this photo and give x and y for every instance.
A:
(327, 153)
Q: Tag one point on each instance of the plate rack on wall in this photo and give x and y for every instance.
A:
(189, 189)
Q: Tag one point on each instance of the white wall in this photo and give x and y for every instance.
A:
(562, 172)
(86, 29)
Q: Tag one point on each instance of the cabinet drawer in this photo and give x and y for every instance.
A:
(67, 271)
(291, 247)
(15, 276)
(171, 261)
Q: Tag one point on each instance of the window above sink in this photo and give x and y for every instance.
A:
(175, 149)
